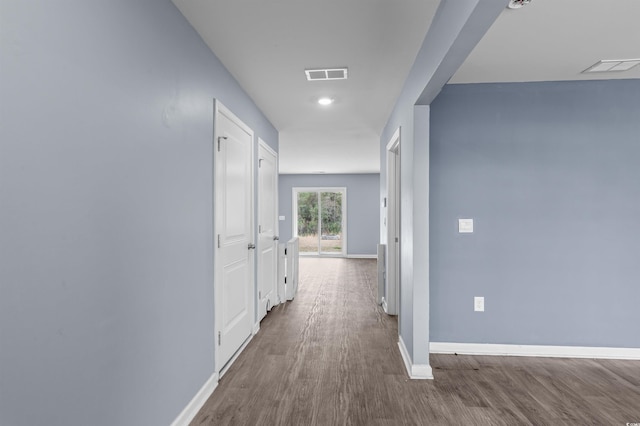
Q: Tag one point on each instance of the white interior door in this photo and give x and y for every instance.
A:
(233, 245)
(267, 229)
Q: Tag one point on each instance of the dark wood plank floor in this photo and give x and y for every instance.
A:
(330, 357)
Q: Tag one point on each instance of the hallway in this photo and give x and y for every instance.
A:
(330, 357)
(313, 361)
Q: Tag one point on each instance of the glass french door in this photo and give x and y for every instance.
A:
(319, 221)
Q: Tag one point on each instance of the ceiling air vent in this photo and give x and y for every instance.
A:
(612, 65)
(326, 74)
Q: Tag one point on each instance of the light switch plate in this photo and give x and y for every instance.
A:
(280, 217)
(465, 226)
(478, 304)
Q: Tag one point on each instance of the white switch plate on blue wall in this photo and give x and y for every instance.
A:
(465, 226)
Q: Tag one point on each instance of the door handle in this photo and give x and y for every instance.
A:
(276, 238)
(251, 246)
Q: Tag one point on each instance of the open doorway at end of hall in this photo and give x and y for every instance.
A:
(320, 220)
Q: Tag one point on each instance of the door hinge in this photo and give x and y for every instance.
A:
(285, 252)
(218, 240)
(219, 337)
(259, 229)
(285, 280)
(260, 162)
(259, 295)
(219, 139)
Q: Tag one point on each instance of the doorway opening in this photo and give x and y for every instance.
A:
(319, 220)
(392, 286)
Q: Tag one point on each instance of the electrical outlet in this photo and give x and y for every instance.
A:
(478, 304)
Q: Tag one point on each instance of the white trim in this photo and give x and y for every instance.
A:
(394, 141)
(393, 223)
(338, 256)
(196, 403)
(256, 328)
(534, 350)
(266, 146)
(380, 263)
(415, 371)
(235, 356)
(267, 150)
(362, 256)
(384, 305)
(220, 109)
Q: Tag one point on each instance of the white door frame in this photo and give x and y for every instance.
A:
(276, 298)
(294, 203)
(219, 108)
(392, 288)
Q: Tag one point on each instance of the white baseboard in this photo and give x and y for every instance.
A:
(384, 305)
(256, 328)
(235, 356)
(534, 350)
(415, 371)
(194, 406)
(362, 256)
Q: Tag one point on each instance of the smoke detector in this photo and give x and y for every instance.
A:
(517, 4)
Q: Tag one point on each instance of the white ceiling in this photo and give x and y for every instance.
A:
(554, 40)
(267, 45)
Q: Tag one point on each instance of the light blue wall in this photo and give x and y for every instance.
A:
(551, 174)
(106, 294)
(363, 214)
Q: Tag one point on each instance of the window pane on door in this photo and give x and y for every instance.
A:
(308, 222)
(331, 222)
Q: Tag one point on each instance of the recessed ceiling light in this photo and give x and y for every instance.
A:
(325, 101)
(517, 4)
(327, 74)
(612, 65)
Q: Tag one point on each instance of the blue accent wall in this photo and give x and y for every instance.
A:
(363, 213)
(106, 239)
(550, 172)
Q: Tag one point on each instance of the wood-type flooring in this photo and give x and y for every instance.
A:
(330, 357)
